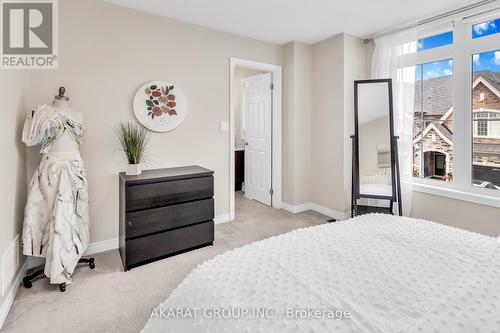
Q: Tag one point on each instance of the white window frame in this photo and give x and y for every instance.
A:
(488, 120)
(461, 51)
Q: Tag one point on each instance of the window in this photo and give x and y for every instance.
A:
(456, 135)
(482, 128)
(431, 42)
(486, 124)
(485, 28)
(486, 119)
(433, 121)
(456, 116)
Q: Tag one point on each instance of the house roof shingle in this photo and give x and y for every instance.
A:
(444, 130)
(437, 95)
(492, 77)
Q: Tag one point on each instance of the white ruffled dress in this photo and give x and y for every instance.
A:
(56, 218)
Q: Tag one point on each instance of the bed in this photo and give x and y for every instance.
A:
(373, 273)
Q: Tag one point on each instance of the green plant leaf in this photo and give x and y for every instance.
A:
(149, 108)
(133, 139)
(173, 112)
(171, 88)
(153, 87)
(149, 103)
(156, 102)
(152, 116)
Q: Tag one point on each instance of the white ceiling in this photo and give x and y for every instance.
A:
(283, 21)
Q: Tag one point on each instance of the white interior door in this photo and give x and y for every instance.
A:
(258, 133)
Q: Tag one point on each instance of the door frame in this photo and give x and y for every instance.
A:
(276, 143)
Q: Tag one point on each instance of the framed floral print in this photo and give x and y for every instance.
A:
(160, 106)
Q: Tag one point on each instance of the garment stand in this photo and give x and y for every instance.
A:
(354, 182)
(27, 280)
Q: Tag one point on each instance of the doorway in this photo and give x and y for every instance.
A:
(434, 164)
(255, 133)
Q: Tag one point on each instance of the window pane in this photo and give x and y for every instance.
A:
(433, 121)
(486, 28)
(435, 41)
(486, 120)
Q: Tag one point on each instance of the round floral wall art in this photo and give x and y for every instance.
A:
(160, 106)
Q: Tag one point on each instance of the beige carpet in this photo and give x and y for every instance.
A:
(107, 299)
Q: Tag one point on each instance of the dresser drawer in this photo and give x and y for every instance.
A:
(168, 242)
(154, 195)
(160, 219)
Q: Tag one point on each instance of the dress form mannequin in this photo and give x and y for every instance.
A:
(65, 143)
(56, 219)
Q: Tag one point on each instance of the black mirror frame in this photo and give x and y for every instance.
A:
(395, 177)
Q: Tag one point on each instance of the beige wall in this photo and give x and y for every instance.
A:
(94, 58)
(296, 162)
(13, 166)
(327, 124)
(371, 135)
(336, 63)
(456, 213)
(239, 74)
(355, 68)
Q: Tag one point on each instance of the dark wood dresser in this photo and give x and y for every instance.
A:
(164, 212)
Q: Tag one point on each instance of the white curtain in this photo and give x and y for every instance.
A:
(395, 57)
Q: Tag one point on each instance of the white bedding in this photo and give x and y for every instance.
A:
(376, 189)
(391, 274)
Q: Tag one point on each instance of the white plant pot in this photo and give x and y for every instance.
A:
(133, 169)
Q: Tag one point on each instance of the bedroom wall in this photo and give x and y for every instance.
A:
(297, 123)
(12, 168)
(327, 123)
(371, 135)
(457, 213)
(355, 68)
(336, 63)
(96, 50)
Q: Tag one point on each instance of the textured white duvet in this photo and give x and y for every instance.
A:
(391, 274)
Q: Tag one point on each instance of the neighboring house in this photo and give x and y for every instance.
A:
(433, 126)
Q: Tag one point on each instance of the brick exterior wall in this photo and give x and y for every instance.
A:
(438, 145)
(491, 100)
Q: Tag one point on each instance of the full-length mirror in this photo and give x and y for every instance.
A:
(374, 153)
(374, 139)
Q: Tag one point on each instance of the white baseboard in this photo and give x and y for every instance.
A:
(11, 295)
(294, 209)
(224, 218)
(92, 248)
(102, 246)
(107, 245)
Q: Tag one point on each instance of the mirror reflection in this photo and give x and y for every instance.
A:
(374, 139)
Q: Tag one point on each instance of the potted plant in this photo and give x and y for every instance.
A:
(133, 139)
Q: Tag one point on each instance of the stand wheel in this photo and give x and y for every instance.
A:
(62, 287)
(91, 263)
(27, 283)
